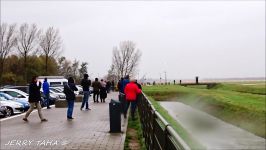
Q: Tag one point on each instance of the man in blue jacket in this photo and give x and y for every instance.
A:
(125, 82)
(46, 92)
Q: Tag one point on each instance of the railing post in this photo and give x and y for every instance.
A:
(153, 136)
(165, 136)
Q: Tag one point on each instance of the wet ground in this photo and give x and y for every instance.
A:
(89, 130)
(212, 132)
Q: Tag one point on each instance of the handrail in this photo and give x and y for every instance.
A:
(149, 124)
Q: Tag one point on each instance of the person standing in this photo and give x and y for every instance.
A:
(46, 92)
(139, 85)
(34, 99)
(69, 89)
(85, 83)
(131, 92)
(103, 91)
(119, 85)
(113, 85)
(96, 90)
(124, 83)
(108, 86)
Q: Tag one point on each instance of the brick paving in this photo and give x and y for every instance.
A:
(89, 130)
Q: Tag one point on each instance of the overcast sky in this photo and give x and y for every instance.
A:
(218, 39)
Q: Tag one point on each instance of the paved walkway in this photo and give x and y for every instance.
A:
(212, 132)
(89, 130)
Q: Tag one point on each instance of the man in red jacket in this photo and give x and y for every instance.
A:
(131, 91)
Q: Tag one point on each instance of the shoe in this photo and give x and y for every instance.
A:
(48, 107)
(70, 118)
(80, 108)
(25, 119)
(88, 109)
(44, 120)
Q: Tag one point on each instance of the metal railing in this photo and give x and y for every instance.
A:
(157, 132)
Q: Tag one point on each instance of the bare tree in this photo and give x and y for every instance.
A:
(125, 59)
(75, 68)
(8, 40)
(50, 43)
(112, 76)
(83, 69)
(27, 42)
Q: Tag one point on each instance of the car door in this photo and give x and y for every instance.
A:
(14, 94)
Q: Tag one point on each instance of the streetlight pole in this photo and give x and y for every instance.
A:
(160, 79)
(165, 77)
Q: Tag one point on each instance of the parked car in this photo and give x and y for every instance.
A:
(53, 98)
(11, 107)
(58, 93)
(16, 93)
(2, 111)
(25, 103)
(21, 88)
(53, 80)
(80, 90)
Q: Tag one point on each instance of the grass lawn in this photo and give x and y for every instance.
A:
(257, 88)
(226, 101)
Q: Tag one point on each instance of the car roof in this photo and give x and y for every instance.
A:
(15, 90)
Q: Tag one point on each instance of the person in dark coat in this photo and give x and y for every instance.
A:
(113, 85)
(96, 90)
(119, 85)
(139, 85)
(85, 83)
(34, 99)
(108, 86)
(69, 89)
(103, 91)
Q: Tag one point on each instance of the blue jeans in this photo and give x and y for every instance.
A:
(70, 107)
(133, 105)
(47, 97)
(85, 99)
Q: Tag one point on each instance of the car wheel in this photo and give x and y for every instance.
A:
(9, 112)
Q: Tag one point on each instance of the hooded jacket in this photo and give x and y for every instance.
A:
(131, 91)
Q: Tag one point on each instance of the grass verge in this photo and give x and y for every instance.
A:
(134, 138)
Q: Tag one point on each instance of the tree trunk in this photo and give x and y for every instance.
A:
(46, 64)
(25, 68)
(1, 70)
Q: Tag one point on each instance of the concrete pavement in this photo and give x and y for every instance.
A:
(89, 130)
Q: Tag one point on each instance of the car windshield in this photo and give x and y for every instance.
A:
(6, 96)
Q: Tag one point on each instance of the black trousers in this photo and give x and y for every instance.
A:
(96, 94)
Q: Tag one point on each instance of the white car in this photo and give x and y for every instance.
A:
(11, 107)
(16, 94)
(61, 89)
(58, 93)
